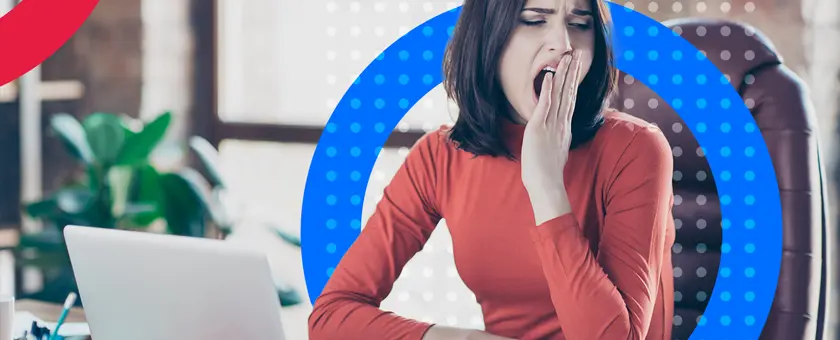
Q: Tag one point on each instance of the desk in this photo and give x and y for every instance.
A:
(49, 312)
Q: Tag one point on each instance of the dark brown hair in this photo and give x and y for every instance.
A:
(470, 70)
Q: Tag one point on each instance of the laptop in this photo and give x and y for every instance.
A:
(138, 286)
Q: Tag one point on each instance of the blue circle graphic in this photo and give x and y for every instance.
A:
(650, 52)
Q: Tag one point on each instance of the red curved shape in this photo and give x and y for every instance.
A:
(35, 29)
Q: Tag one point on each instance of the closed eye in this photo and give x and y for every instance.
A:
(532, 22)
(584, 26)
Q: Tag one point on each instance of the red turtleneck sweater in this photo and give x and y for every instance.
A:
(601, 272)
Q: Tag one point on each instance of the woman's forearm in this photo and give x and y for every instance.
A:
(449, 333)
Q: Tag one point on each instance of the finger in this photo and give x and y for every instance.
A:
(570, 86)
(545, 100)
(556, 93)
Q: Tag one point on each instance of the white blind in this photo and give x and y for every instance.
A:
(289, 62)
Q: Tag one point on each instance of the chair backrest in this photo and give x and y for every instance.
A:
(779, 103)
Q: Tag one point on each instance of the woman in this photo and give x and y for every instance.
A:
(559, 210)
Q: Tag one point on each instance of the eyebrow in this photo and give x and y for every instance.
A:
(578, 12)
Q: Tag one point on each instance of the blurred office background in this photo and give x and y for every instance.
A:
(258, 79)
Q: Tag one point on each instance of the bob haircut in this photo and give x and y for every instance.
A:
(470, 67)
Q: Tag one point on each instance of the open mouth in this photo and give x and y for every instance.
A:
(538, 80)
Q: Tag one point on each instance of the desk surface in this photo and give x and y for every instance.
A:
(49, 312)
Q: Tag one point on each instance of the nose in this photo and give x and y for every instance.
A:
(557, 39)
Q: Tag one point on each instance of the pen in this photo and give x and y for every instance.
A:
(71, 300)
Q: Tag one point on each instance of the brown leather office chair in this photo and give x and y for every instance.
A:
(779, 103)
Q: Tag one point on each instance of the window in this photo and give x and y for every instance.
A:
(280, 69)
(289, 62)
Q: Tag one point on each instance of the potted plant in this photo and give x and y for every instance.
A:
(226, 213)
(121, 188)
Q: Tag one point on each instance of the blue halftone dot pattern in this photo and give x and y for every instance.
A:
(749, 320)
(725, 296)
(746, 182)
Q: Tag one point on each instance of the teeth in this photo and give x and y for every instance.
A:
(550, 69)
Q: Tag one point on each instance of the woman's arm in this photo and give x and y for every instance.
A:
(612, 296)
(348, 308)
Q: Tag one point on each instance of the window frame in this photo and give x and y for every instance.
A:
(206, 118)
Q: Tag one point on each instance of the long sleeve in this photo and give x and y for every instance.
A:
(613, 295)
(404, 219)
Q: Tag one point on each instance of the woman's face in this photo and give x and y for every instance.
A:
(545, 31)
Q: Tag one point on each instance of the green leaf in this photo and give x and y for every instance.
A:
(94, 178)
(139, 146)
(47, 241)
(182, 209)
(284, 235)
(139, 215)
(44, 249)
(73, 205)
(46, 260)
(42, 209)
(147, 188)
(119, 183)
(206, 196)
(132, 125)
(140, 208)
(73, 136)
(288, 296)
(224, 213)
(209, 157)
(65, 203)
(74, 201)
(105, 135)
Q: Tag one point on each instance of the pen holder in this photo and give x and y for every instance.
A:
(7, 317)
(36, 332)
